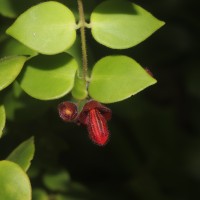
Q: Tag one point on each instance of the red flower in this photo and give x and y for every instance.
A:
(95, 116)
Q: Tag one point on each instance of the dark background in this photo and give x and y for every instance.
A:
(154, 147)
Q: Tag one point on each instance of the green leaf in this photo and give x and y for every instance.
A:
(48, 28)
(115, 78)
(12, 47)
(2, 119)
(14, 183)
(6, 9)
(12, 8)
(23, 154)
(39, 194)
(48, 77)
(10, 67)
(122, 24)
(57, 181)
(17, 104)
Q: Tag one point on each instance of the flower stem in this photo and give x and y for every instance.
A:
(83, 39)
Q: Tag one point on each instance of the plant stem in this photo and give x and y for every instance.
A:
(83, 38)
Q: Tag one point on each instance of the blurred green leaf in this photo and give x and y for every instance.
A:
(12, 8)
(65, 197)
(122, 24)
(2, 119)
(115, 78)
(6, 9)
(33, 171)
(57, 181)
(48, 28)
(14, 183)
(23, 154)
(39, 194)
(20, 107)
(48, 77)
(12, 47)
(10, 67)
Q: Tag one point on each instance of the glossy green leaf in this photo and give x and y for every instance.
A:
(48, 77)
(2, 119)
(57, 181)
(12, 47)
(23, 154)
(122, 24)
(48, 28)
(115, 78)
(14, 183)
(10, 67)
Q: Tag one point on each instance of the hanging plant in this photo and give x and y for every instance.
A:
(49, 29)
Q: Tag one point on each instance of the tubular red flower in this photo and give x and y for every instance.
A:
(97, 127)
(95, 116)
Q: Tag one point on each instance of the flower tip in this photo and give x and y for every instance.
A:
(102, 141)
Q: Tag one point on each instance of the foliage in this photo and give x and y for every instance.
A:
(40, 37)
(115, 78)
(123, 26)
(23, 154)
(14, 182)
(40, 58)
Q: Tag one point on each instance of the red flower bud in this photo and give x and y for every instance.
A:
(68, 111)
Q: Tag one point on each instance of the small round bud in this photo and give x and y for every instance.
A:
(68, 111)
